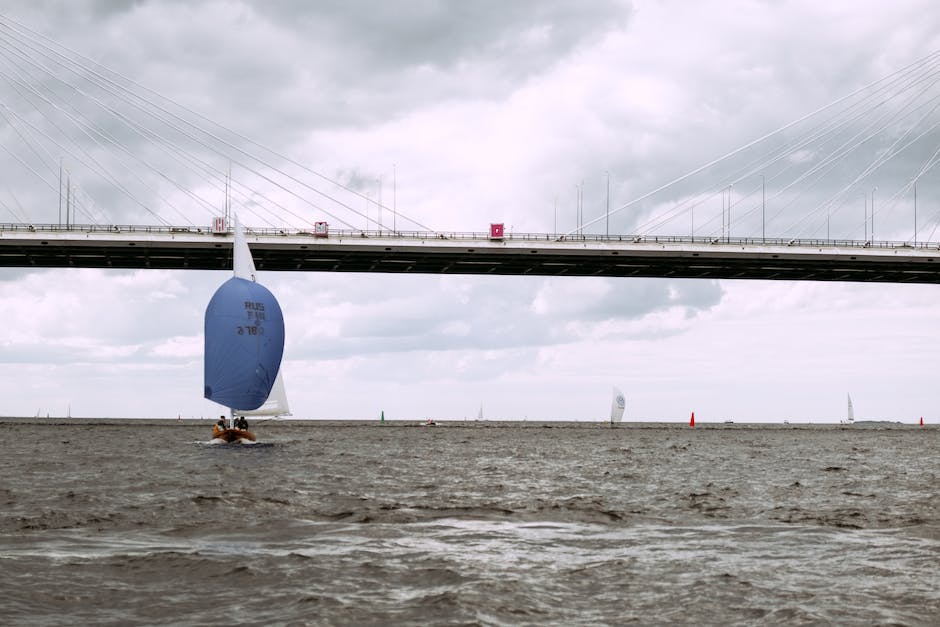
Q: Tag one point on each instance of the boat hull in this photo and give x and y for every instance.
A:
(233, 436)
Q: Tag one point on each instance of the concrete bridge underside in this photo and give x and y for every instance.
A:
(275, 251)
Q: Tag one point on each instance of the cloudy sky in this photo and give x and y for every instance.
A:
(468, 113)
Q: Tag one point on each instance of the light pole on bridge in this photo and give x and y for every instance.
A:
(730, 192)
(607, 227)
(577, 216)
(763, 211)
(378, 202)
(873, 213)
(865, 197)
(555, 218)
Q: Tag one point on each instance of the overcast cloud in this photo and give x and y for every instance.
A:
(477, 112)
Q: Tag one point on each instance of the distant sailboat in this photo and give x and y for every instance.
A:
(244, 344)
(480, 414)
(850, 413)
(617, 404)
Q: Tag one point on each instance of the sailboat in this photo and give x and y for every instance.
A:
(244, 344)
(850, 413)
(617, 404)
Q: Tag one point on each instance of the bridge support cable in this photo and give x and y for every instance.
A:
(929, 164)
(78, 154)
(214, 175)
(754, 168)
(827, 164)
(829, 130)
(99, 136)
(81, 122)
(898, 146)
(29, 144)
(87, 208)
(892, 202)
(890, 154)
(20, 214)
(263, 170)
(912, 81)
(81, 155)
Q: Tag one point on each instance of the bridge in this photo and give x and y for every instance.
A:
(180, 248)
(112, 155)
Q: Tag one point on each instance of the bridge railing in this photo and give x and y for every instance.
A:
(467, 236)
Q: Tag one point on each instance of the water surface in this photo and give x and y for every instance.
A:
(143, 522)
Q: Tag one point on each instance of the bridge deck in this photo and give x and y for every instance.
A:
(469, 253)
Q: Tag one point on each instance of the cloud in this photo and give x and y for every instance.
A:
(459, 115)
(402, 314)
(79, 316)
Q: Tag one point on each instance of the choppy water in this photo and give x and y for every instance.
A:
(470, 523)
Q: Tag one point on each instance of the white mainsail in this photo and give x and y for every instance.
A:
(244, 265)
(242, 261)
(275, 405)
(617, 405)
(850, 415)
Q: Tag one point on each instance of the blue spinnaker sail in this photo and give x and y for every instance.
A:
(244, 337)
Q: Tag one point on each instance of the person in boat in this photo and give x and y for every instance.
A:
(219, 426)
(241, 423)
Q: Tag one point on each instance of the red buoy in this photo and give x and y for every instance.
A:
(692, 420)
(922, 421)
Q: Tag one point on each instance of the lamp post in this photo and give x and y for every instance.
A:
(577, 215)
(378, 202)
(730, 192)
(763, 211)
(873, 213)
(607, 228)
(865, 197)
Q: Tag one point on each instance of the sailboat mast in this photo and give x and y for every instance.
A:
(228, 193)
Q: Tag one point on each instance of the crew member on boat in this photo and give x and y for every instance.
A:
(241, 423)
(220, 426)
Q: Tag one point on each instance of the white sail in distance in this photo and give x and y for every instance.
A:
(617, 405)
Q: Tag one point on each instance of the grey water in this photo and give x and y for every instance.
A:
(143, 522)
